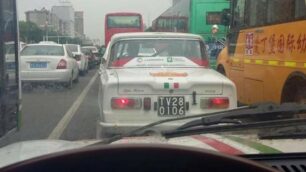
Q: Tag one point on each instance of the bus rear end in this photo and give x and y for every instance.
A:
(170, 24)
(122, 23)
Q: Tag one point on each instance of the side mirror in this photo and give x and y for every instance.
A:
(225, 17)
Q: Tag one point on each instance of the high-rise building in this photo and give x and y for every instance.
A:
(44, 19)
(65, 12)
(79, 23)
(39, 17)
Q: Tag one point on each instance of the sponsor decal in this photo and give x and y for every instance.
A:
(153, 60)
(169, 74)
(179, 60)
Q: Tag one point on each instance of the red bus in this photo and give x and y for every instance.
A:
(170, 24)
(122, 23)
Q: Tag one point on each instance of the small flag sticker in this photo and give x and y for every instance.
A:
(166, 85)
(175, 85)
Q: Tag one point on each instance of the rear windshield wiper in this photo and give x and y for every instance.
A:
(236, 117)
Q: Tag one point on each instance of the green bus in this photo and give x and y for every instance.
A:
(194, 16)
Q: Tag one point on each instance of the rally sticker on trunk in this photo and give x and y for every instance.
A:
(175, 85)
(169, 74)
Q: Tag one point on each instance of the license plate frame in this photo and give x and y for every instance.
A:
(171, 106)
(38, 65)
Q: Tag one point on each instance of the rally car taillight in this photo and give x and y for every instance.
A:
(125, 103)
(215, 103)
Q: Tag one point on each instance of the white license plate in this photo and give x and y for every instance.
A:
(171, 106)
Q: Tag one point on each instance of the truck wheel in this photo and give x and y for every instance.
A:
(294, 90)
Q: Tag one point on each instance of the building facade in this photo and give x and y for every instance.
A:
(65, 12)
(79, 23)
(45, 19)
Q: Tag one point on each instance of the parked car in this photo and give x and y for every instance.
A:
(48, 63)
(81, 58)
(171, 80)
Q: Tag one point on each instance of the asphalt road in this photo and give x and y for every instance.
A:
(59, 113)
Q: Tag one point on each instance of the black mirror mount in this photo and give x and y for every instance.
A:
(226, 17)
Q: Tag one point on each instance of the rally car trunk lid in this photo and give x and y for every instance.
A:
(174, 81)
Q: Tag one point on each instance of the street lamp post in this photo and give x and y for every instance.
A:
(47, 28)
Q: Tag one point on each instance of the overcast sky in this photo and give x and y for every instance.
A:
(95, 10)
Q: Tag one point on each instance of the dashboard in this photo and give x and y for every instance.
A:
(157, 157)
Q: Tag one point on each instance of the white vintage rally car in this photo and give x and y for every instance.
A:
(147, 77)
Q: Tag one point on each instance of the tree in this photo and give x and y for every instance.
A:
(30, 32)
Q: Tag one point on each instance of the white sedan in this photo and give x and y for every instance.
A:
(81, 59)
(48, 62)
(173, 81)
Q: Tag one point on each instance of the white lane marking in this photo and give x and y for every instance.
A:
(63, 123)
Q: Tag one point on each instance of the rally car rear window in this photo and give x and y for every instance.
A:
(174, 52)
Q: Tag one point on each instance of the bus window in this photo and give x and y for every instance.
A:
(122, 23)
(256, 16)
(300, 6)
(239, 11)
(280, 11)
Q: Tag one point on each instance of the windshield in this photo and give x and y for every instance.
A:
(87, 49)
(143, 61)
(73, 48)
(157, 53)
(43, 50)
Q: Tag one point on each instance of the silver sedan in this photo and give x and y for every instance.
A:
(46, 62)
